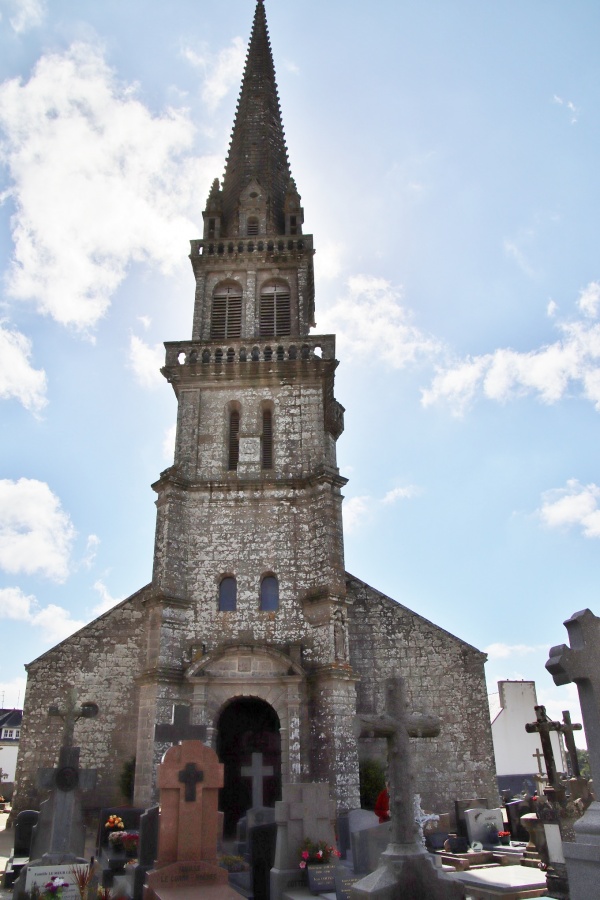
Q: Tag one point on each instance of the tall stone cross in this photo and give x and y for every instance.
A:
(543, 726)
(538, 756)
(257, 773)
(397, 727)
(70, 713)
(580, 663)
(189, 778)
(568, 729)
(180, 727)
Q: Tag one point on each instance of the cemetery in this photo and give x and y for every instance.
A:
(246, 731)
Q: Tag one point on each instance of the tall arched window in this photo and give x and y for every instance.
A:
(269, 594)
(267, 440)
(275, 311)
(227, 594)
(226, 319)
(234, 440)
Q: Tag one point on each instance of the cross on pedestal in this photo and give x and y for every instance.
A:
(396, 726)
(580, 663)
(70, 713)
(543, 726)
(568, 730)
(538, 756)
(191, 775)
(180, 728)
(257, 773)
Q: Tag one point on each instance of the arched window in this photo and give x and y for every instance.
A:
(267, 440)
(226, 319)
(234, 440)
(252, 226)
(227, 594)
(269, 594)
(275, 312)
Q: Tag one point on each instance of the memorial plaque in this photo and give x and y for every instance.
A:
(39, 876)
(344, 879)
(321, 878)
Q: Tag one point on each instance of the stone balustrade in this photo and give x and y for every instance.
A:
(180, 353)
(244, 246)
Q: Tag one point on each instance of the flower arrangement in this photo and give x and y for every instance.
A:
(114, 822)
(316, 853)
(82, 875)
(124, 840)
(233, 863)
(53, 890)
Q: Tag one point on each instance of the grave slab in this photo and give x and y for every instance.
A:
(482, 823)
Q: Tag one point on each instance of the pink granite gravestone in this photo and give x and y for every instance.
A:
(189, 779)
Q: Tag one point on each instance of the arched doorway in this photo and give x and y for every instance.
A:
(247, 726)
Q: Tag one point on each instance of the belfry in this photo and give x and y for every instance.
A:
(251, 621)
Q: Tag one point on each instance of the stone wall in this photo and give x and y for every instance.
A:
(444, 676)
(101, 661)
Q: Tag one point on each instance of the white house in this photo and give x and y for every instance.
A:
(10, 733)
(519, 754)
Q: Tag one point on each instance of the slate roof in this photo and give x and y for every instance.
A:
(10, 718)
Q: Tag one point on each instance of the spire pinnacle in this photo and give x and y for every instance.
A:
(257, 151)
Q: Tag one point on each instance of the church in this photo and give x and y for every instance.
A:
(251, 633)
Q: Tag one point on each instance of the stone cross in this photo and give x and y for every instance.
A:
(543, 726)
(70, 713)
(397, 726)
(568, 730)
(60, 827)
(189, 778)
(257, 772)
(539, 757)
(180, 728)
(580, 663)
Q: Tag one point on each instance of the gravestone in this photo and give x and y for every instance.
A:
(482, 823)
(147, 850)
(343, 833)
(514, 810)
(406, 868)
(262, 842)
(23, 833)
(459, 811)
(306, 811)
(241, 837)
(367, 846)
(189, 778)
(345, 880)
(580, 663)
(257, 772)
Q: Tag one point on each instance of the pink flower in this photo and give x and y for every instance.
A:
(305, 854)
(303, 864)
(320, 854)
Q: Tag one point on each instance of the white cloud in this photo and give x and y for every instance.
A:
(168, 446)
(36, 535)
(291, 67)
(401, 493)
(145, 321)
(570, 106)
(573, 505)
(505, 651)
(356, 510)
(551, 309)
(589, 300)
(18, 379)
(146, 362)
(222, 70)
(548, 372)
(91, 548)
(54, 621)
(331, 254)
(26, 14)
(372, 324)
(76, 141)
(106, 601)
(516, 252)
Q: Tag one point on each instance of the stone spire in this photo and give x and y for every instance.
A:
(257, 151)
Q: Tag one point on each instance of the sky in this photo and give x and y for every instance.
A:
(447, 158)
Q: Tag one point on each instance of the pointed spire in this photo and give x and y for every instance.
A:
(257, 150)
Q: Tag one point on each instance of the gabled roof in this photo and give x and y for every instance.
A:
(258, 149)
(11, 718)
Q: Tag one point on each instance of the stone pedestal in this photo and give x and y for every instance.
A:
(583, 856)
(407, 871)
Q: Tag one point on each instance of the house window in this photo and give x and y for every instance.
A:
(252, 226)
(275, 312)
(269, 594)
(226, 320)
(8, 732)
(234, 440)
(227, 594)
(17, 732)
(267, 440)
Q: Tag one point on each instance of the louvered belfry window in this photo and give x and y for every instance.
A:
(226, 320)
(234, 440)
(267, 439)
(275, 312)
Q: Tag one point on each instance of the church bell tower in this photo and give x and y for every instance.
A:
(248, 609)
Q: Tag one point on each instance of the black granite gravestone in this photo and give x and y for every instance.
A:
(147, 849)
(262, 840)
(24, 824)
(514, 810)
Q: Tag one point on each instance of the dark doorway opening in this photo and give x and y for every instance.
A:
(247, 726)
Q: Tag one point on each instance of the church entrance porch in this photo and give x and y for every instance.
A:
(249, 746)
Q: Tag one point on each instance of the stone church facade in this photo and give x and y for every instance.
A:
(251, 620)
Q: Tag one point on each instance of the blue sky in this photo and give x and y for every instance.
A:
(446, 154)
